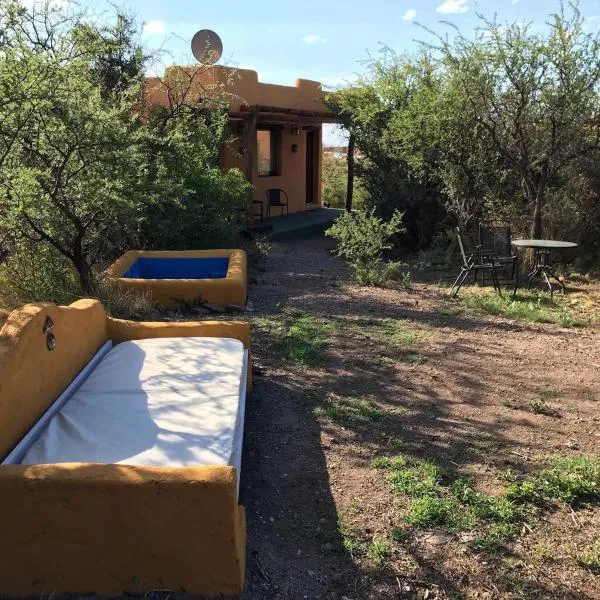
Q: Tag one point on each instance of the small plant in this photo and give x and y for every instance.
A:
(400, 534)
(414, 358)
(539, 407)
(347, 410)
(572, 481)
(541, 551)
(407, 279)
(305, 339)
(550, 393)
(354, 506)
(378, 550)
(362, 239)
(434, 511)
(394, 444)
(126, 305)
(494, 538)
(590, 559)
(351, 539)
(262, 245)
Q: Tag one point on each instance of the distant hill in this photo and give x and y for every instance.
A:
(335, 149)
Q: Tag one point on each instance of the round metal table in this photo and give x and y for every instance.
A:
(541, 267)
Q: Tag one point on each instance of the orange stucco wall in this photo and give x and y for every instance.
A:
(243, 88)
(292, 177)
(114, 529)
(101, 528)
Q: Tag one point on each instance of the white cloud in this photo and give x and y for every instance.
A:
(453, 7)
(334, 82)
(313, 39)
(410, 14)
(516, 1)
(154, 27)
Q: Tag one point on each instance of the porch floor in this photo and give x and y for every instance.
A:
(297, 225)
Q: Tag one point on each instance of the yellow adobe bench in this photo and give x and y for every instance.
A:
(173, 278)
(112, 528)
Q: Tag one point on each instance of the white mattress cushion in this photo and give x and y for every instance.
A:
(156, 402)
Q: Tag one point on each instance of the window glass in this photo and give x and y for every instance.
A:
(265, 143)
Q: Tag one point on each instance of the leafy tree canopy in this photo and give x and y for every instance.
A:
(492, 126)
(86, 167)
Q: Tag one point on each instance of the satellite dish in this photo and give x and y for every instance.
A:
(207, 47)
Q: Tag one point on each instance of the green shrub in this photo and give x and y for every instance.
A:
(334, 179)
(362, 239)
(259, 247)
(37, 273)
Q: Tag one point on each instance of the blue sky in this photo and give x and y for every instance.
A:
(325, 40)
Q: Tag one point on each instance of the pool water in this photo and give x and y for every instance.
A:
(178, 268)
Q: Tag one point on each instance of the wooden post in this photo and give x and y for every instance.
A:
(250, 143)
(350, 188)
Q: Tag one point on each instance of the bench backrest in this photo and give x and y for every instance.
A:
(42, 348)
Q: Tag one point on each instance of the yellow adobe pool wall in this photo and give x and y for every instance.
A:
(170, 293)
(105, 529)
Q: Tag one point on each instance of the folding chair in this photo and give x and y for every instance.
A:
(473, 262)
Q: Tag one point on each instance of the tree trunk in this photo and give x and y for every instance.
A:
(536, 225)
(350, 188)
(89, 285)
(535, 195)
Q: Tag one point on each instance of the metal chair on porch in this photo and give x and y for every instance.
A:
(277, 197)
(474, 262)
(495, 243)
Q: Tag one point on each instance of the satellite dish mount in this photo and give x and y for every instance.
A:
(207, 47)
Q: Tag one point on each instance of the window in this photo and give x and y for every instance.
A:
(266, 143)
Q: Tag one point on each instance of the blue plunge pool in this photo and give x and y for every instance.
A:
(178, 268)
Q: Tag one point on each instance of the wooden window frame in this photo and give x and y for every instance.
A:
(275, 140)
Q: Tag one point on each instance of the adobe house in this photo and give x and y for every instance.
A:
(278, 130)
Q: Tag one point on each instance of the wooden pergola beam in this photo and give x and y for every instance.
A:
(281, 119)
(280, 112)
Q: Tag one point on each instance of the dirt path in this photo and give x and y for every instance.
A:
(459, 396)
